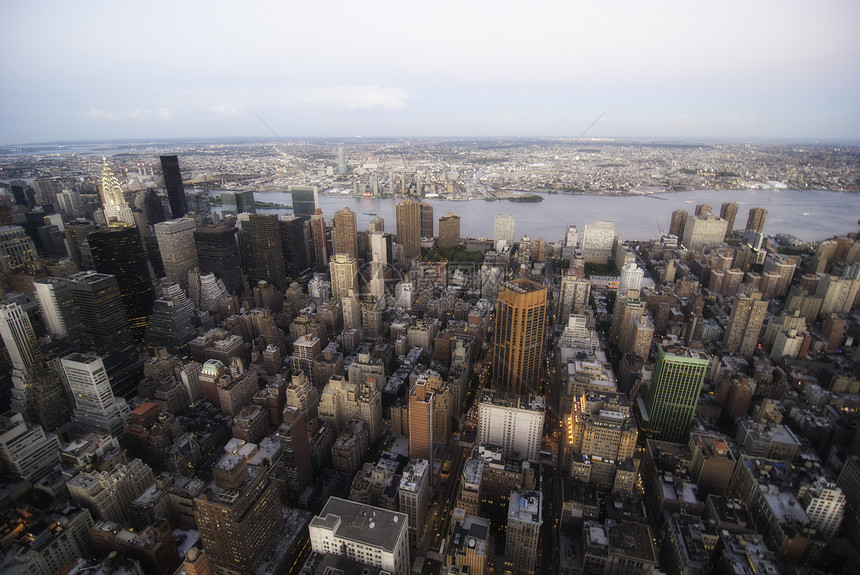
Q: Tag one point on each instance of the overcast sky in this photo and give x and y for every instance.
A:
(81, 70)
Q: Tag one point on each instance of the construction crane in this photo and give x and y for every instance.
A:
(658, 224)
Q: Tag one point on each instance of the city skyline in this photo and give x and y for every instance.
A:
(666, 71)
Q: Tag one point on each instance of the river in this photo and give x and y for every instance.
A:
(810, 215)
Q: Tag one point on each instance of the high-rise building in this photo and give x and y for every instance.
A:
(825, 506)
(345, 233)
(319, 239)
(118, 251)
(177, 247)
(522, 536)
(516, 427)
(679, 219)
(426, 220)
(503, 230)
(154, 208)
(449, 231)
(294, 245)
(58, 308)
(238, 203)
(631, 278)
(305, 201)
(117, 210)
(37, 392)
(421, 403)
(100, 307)
(25, 448)
(295, 462)
(238, 516)
(377, 224)
(409, 228)
(344, 276)
(518, 350)
(596, 242)
(341, 161)
(755, 221)
(362, 533)
(17, 250)
(173, 184)
(267, 250)
(728, 212)
(702, 230)
(170, 323)
(745, 321)
(413, 497)
(666, 412)
(97, 409)
(218, 253)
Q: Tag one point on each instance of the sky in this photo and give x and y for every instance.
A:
(737, 70)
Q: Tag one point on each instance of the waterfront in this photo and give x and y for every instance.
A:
(829, 213)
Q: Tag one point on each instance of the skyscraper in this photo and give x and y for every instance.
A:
(345, 233)
(755, 221)
(729, 211)
(268, 254)
(449, 231)
(319, 239)
(37, 392)
(421, 402)
(305, 201)
(100, 307)
(702, 230)
(745, 321)
(344, 276)
(597, 240)
(504, 229)
(117, 210)
(426, 220)
(295, 459)
(218, 253)
(238, 203)
(58, 309)
(238, 516)
(96, 408)
(118, 251)
(409, 228)
(341, 161)
(173, 184)
(178, 251)
(17, 250)
(293, 244)
(519, 336)
(667, 410)
(154, 207)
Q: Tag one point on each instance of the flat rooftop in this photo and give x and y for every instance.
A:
(362, 523)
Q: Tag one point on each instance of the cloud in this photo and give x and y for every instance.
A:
(229, 111)
(508, 119)
(351, 97)
(736, 118)
(138, 113)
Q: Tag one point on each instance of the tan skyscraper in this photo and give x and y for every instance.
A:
(520, 332)
(421, 401)
(345, 233)
(449, 231)
(344, 276)
(177, 247)
(409, 228)
(755, 221)
(745, 324)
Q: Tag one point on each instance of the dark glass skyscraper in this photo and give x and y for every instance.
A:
(305, 201)
(105, 322)
(218, 253)
(154, 208)
(119, 252)
(293, 242)
(173, 184)
(267, 250)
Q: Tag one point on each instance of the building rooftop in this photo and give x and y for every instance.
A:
(361, 523)
(525, 506)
